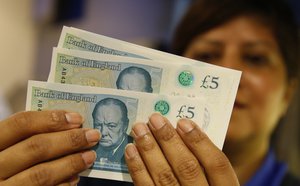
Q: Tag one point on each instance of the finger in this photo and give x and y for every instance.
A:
(217, 166)
(25, 124)
(181, 159)
(152, 156)
(54, 172)
(44, 147)
(136, 167)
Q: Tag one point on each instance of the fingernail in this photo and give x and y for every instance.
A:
(92, 135)
(74, 118)
(157, 121)
(89, 157)
(131, 151)
(140, 129)
(185, 125)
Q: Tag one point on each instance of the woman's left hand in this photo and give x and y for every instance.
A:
(183, 156)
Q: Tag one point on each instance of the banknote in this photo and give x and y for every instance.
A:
(113, 112)
(74, 38)
(155, 76)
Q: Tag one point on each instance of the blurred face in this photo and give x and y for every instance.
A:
(135, 81)
(108, 120)
(263, 94)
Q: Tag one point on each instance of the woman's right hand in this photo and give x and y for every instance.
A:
(44, 148)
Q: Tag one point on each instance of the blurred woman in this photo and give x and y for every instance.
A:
(259, 38)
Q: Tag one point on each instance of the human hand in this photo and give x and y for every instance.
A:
(183, 156)
(44, 148)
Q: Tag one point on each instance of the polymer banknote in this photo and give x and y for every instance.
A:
(112, 111)
(78, 39)
(218, 87)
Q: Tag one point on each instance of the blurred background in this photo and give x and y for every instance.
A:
(30, 28)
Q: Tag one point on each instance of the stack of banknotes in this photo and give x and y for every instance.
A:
(113, 84)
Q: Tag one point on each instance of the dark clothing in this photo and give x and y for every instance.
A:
(85, 181)
(112, 155)
(271, 173)
(290, 180)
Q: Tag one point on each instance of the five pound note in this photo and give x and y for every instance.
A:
(113, 112)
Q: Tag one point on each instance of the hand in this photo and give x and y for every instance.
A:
(44, 148)
(183, 156)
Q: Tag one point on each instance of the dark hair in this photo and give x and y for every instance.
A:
(113, 101)
(133, 70)
(204, 15)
